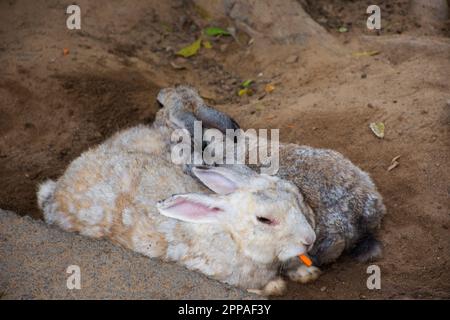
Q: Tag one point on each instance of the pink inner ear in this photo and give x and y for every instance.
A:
(217, 182)
(194, 211)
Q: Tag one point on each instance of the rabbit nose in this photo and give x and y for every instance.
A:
(309, 241)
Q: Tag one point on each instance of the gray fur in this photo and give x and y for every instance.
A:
(345, 201)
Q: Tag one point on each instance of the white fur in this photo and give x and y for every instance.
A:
(46, 190)
(127, 217)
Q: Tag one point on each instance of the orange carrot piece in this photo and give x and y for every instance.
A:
(305, 259)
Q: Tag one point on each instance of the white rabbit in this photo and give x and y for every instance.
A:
(128, 190)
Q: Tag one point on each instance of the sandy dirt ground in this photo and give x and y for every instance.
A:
(41, 270)
(54, 105)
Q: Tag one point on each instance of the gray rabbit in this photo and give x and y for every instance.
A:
(347, 206)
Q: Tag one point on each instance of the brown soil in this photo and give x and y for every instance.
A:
(54, 106)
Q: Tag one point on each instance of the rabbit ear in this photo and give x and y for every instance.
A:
(191, 207)
(221, 180)
(186, 106)
(213, 118)
(184, 119)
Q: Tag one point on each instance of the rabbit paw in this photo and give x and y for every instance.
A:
(304, 274)
(275, 287)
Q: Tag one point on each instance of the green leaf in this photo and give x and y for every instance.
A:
(342, 29)
(246, 83)
(207, 44)
(366, 53)
(246, 91)
(242, 92)
(216, 31)
(191, 49)
(378, 129)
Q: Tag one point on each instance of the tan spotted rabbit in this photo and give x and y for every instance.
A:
(129, 191)
(347, 206)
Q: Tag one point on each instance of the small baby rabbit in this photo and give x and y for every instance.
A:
(128, 190)
(347, 206)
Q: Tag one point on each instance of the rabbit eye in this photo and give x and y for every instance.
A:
(264, 220)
